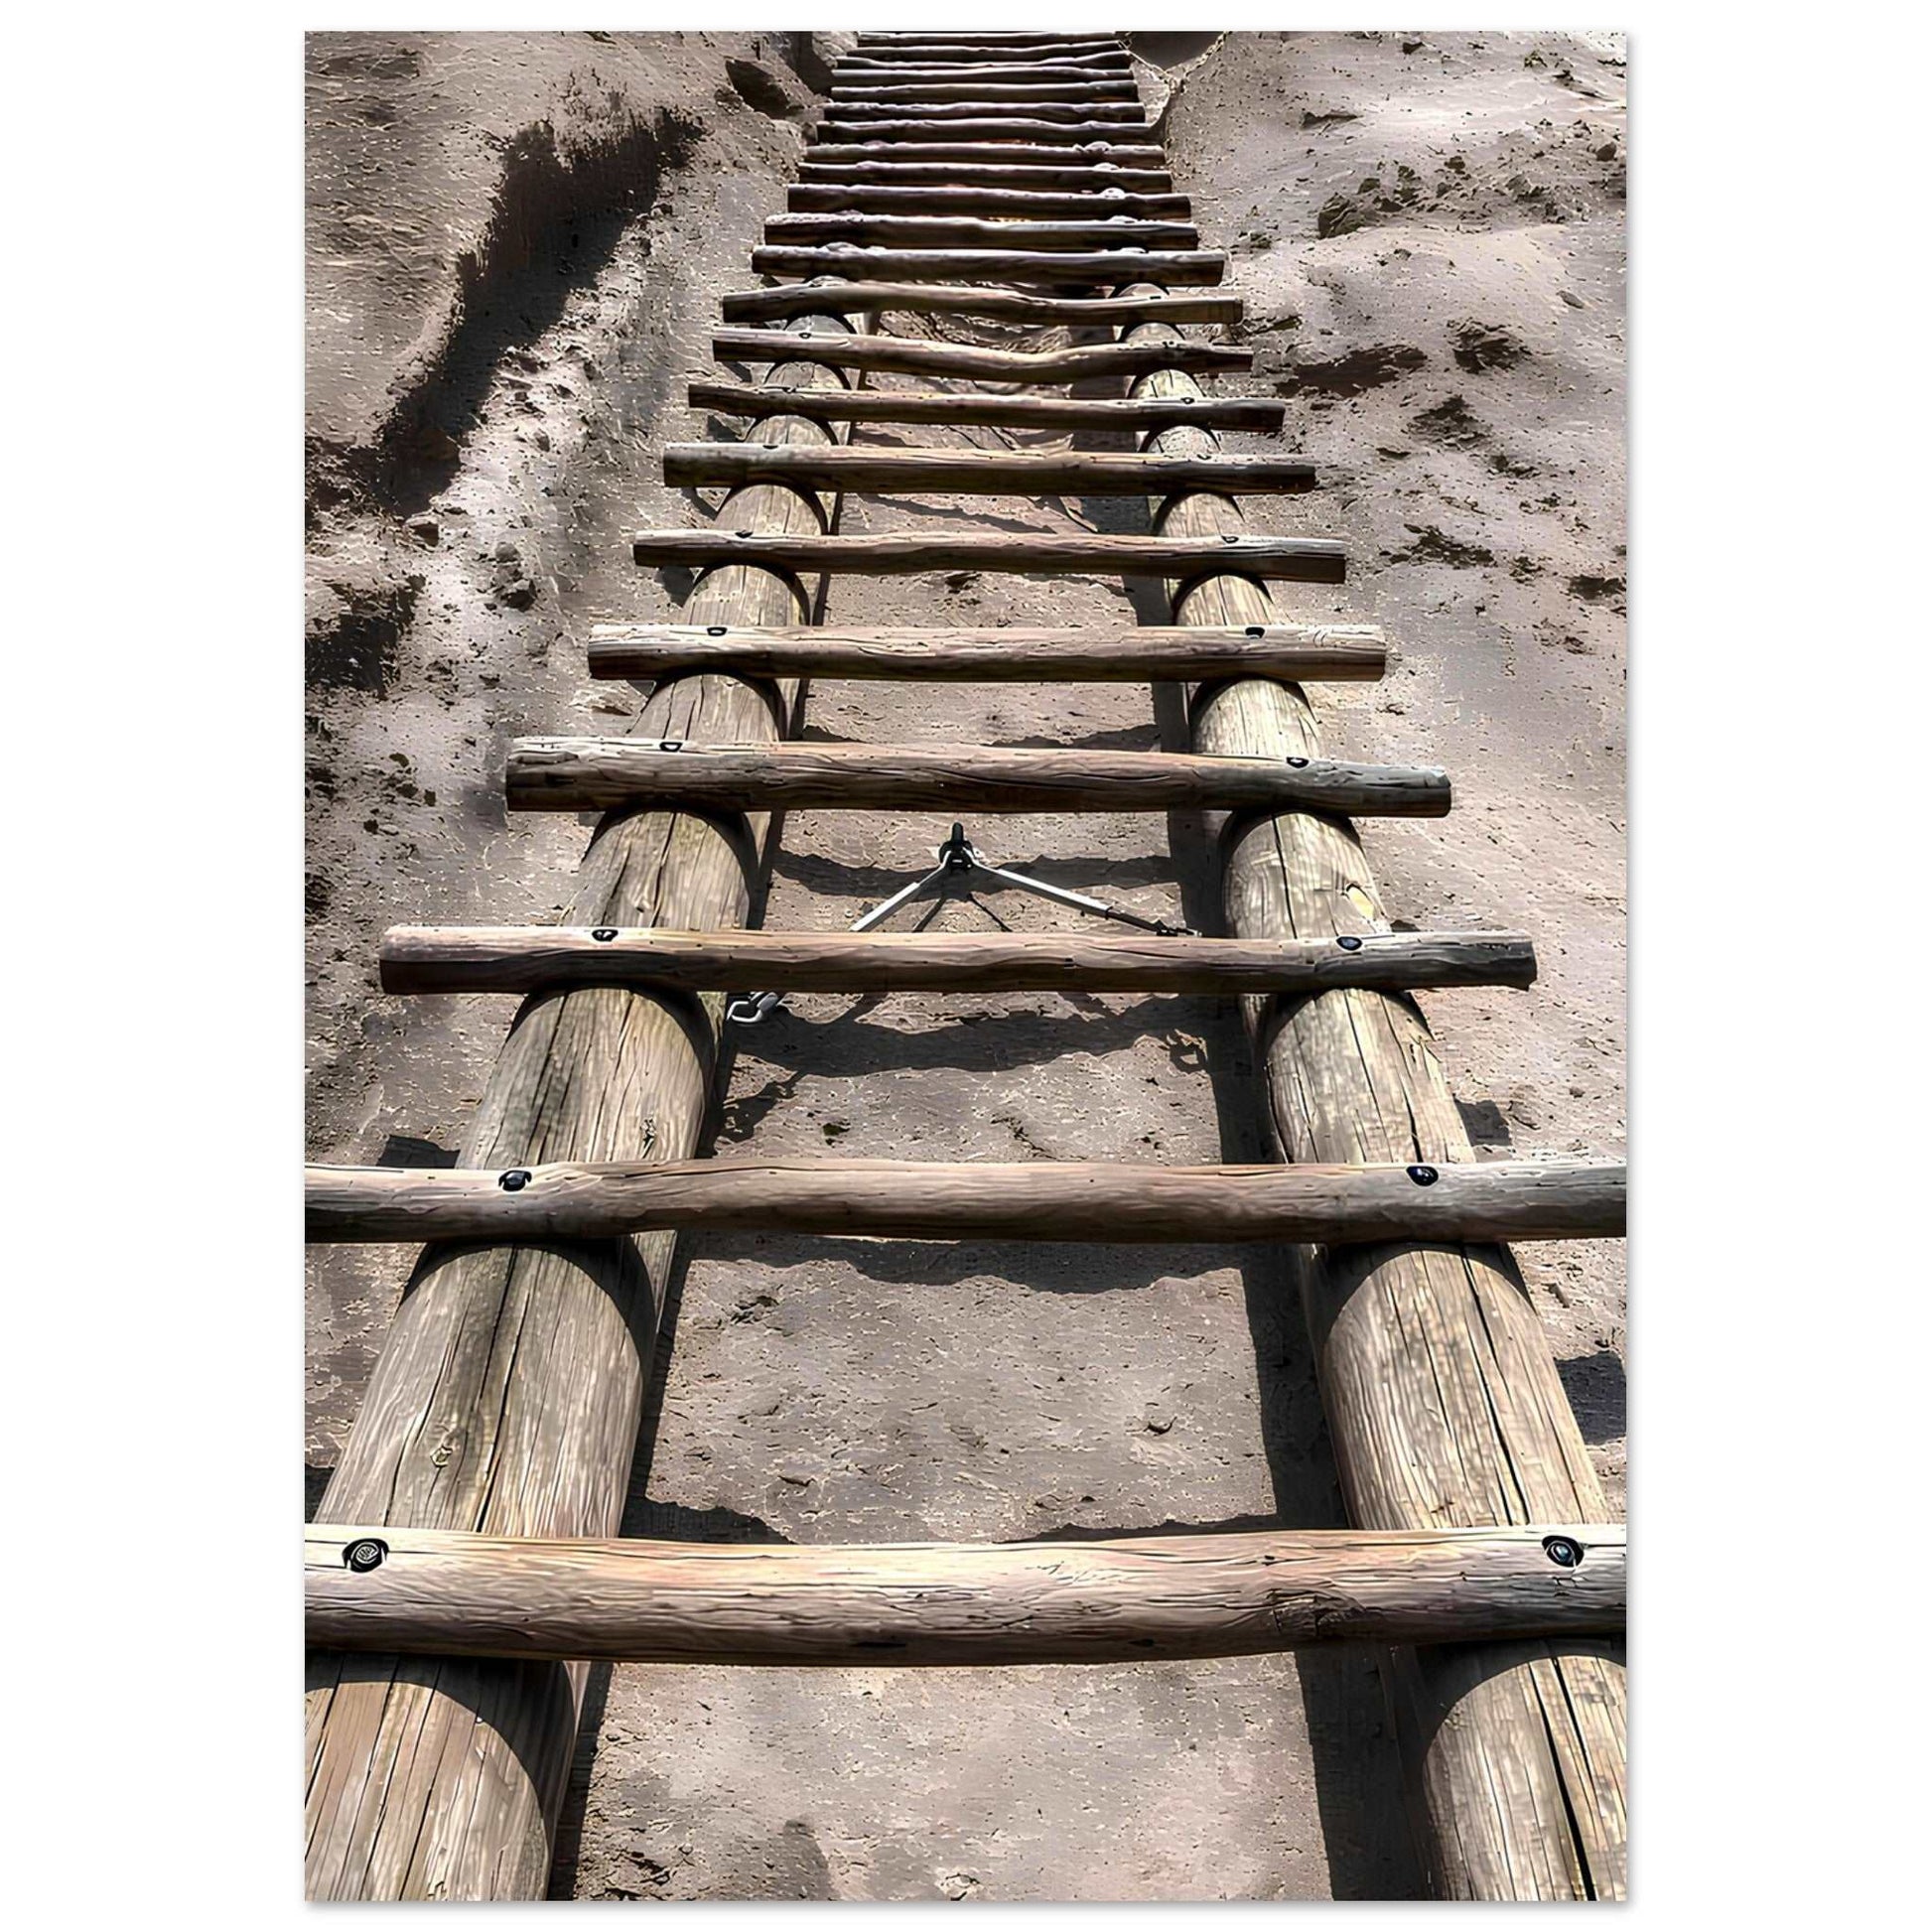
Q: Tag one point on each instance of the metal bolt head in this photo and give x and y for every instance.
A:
(1257, 631)
(365, 1554)
(605, 933)
(514, 1181)
(1422, 1175)
(1295, 764)
(1348, 943)
(716, 630)
(1562, 1551)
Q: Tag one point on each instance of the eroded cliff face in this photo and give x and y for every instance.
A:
(517, 246)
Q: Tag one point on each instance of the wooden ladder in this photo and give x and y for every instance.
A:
(466, 1567)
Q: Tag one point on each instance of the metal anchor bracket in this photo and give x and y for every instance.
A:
(959, 858)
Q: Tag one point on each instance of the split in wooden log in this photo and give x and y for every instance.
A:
(526, 958)
(1299, 560)
(1089, 116)
(1309, 654)
(982, 472)
(1063, 173)
(1092, 203)
(575, 774)
(996, 305)
(967, 359)
(1036, 130)
(1017, 412)
(1063, 89)
(1128, 1600)
(1103, 159)
(1193, 268)
(966, 231)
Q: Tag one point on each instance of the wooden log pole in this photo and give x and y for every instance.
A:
(951, 470)
(1014, 412)
(1062, 171)
(993, 305)
(988, 47)
(1442, 1400)
(1197, 268)
(969, 231)
(1303, 560)
(969, 360)
(1100, 159)
(860, 70)
(1022, 654)
(509, 1388)
(526, 958)
(933, 1200)
(873, 90)
(932, 1603)
(1039, 130)
(1091, 204)
(579, 774)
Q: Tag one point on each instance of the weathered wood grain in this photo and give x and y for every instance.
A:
(932, 1603)
(948, 470)
(1305, 560)
(1442, 1401)
(526, 958)
(1022, 412)
(1078, 204)
(1038, 130)
(865, 71)
(441, 1777)
(1061, 90)
(1200, 268)
(995, 305)
(969, 361)
(969, 231)
(1094, 157)
(1016, 654)
(1062, 171)
(575, 774)
(984, 46)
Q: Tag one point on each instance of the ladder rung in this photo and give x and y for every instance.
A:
(1024, 412)
(457, 1592)
(1092, 157)
(1299, 560)
(1062, 171)
(1193, 268)
(1300, 653)
(997, 304)
(969, 360)
(968, 231)
(570, 774)
(983, 473)
(525, 958)
(1091, 204)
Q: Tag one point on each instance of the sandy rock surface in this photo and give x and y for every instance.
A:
(518, 245)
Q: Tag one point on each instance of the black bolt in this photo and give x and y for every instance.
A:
(744, 533)
(1298, 764)
(365, 1554)
(604, 932)
(513, 1179)
(1227, 538)
(1562, 1551)
(1423, 1176)
(670, 744)
(1257, 631)
(714, 629)
(1348, 943)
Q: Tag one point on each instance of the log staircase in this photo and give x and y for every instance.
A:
(465, 1569)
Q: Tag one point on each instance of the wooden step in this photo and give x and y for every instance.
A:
(1193, 268)
(1064, 173)
(910, 356)
(525, 958)
(986, 131)
(929, 1200)
(1091, 204)
(461, 1592)
(578, 774)
(989, 46)
(1297, 653)
(1298, 560)
(968, 231)
(996, 305)
(1021, 412)
(1090, 157)
(863, 71)
(984, 473)
(1063, 88)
